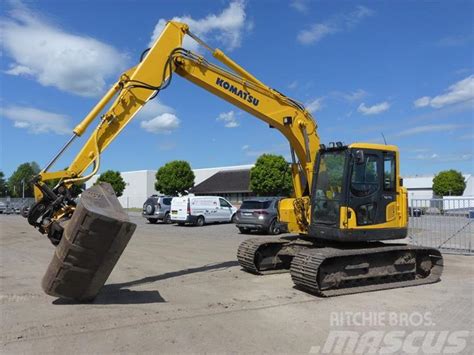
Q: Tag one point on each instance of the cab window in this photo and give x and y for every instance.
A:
(389, 172)
(364, 179)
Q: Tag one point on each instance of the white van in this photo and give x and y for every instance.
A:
(200, 210)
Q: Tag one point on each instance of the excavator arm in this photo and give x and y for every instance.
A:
(142, 83)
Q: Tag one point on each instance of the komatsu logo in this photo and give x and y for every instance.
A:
(237, 92)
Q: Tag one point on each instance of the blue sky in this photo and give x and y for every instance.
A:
(401, 68)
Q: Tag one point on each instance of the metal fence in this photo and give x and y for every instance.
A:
(446, 224)
(15, 204)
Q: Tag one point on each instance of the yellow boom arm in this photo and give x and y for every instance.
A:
(234, 84)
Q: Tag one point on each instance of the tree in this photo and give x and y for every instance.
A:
(21, 178)
(449, 182)
(175, 177)
(113, 178)
(271, 176)
(3, 184)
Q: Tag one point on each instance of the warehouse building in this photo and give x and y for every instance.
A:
(421, 187)
(141, 183)
(232, 183)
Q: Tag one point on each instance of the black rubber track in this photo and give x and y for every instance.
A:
(246, 254)
(306, 265)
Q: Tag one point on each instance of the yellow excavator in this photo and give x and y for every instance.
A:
(347, 198)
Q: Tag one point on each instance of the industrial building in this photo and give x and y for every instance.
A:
(232, 183)
(421, 187)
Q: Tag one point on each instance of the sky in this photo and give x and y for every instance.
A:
(403, 69)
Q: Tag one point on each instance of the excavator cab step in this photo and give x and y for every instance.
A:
(92, 243)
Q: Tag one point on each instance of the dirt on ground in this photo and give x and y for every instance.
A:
(181, 290)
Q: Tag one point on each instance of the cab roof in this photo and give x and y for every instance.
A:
(374, 146)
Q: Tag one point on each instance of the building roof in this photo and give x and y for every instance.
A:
(203, 174)
(231, 181)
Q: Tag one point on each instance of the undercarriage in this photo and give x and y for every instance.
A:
(331, 269)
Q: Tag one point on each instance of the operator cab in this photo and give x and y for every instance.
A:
(356, 195)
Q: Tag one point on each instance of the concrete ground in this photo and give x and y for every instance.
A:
(180, 289)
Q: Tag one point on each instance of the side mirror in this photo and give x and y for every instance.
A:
(359, 157)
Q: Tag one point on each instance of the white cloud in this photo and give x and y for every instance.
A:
(37, 121)
(422, 101)
(157, 117)
(300, 5)
(245, 147)
(314, 105)
(357, 95)
(443, 158)
(226, 28)
(339, 23)
(229, 119)
(164, 123)
(428, 129)
(53, 57)
(461, 91)
(373, 110)
(154, 108)
(315, 33)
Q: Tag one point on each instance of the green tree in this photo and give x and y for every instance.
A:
(271, 176)
(115, 179)
(3, 184)
(175, 177)
(21, 178)
(449, 182)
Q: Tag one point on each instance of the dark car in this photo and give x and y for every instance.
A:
(157, 208)
(259, 214)
(415, 212)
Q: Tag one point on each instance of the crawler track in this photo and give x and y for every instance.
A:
(332, 272)
(252, 252)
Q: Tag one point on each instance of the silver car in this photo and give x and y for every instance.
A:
(259, 214)
(3, 207)
(157, 208)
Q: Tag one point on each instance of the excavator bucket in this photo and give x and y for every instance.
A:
(92, 242)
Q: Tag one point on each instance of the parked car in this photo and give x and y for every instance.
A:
(157, 208)
(259, 214)
(199, 210)
(415, 212)
(3, 207)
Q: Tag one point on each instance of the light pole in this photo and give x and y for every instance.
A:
(23, 189)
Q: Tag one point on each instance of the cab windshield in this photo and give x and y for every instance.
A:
(328, 191)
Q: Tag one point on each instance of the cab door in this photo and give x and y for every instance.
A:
(372, 189)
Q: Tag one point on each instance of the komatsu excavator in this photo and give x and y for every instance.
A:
(347, 198)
